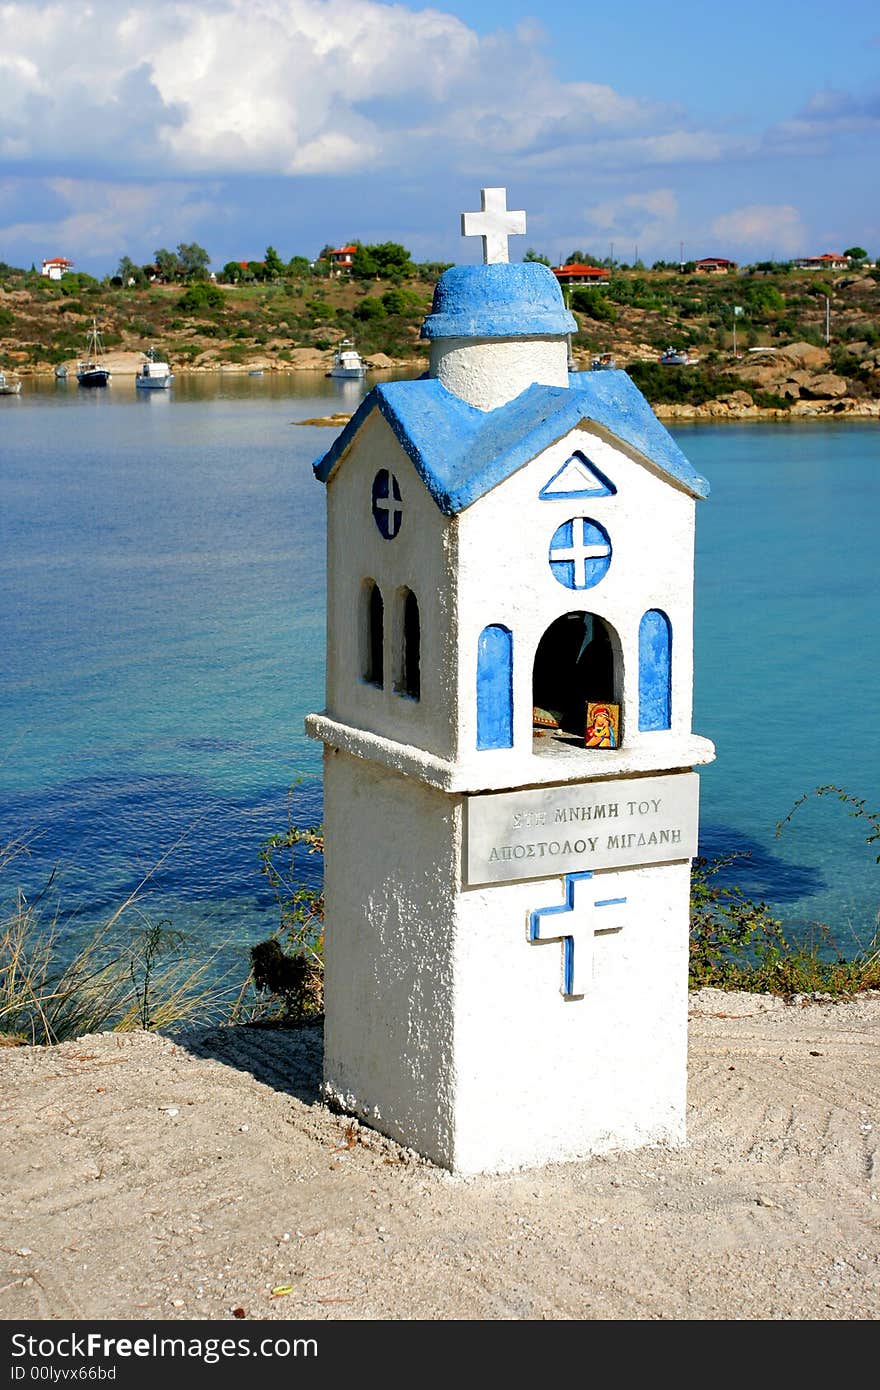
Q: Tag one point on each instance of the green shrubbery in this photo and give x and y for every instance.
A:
(201, 295)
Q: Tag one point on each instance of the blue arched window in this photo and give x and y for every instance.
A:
(655, 671)
(495, 687)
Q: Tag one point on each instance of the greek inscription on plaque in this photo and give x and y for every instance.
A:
(590, 825)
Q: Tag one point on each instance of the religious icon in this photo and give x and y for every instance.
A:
(603, 725)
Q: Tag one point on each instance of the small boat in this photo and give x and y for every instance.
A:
(256, 371)
(347, 362)
(677, 357)
(153, 374)
(61, 372)
(603, 363)
(9, 388)
(90, 371)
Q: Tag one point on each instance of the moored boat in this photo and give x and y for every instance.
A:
(347, 362)
(9, 388)
(90, 370)
(677, 357)
(153, 374)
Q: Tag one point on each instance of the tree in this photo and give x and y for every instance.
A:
(533, 255)
(194, 260)
(856, 253)
(591, 302)
(129, 273)
(391, 258)
(364, 266)
(166, 264)
(231, 272)
(273, 263)
(199, 296)
(298, 265)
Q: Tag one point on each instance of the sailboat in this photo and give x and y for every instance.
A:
(90, 371)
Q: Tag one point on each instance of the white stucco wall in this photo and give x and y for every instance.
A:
(488, 372)
(504, 577)
(422, 558)
(541, 1078)
(445, 1026)
(391, 876)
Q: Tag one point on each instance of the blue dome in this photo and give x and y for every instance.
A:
(498, 301)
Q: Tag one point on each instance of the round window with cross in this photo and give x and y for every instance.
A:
(580, 553)
(387, 504)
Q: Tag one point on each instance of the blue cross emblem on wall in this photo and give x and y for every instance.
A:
(580, 553)
(387, 504)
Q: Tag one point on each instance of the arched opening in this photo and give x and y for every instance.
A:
(577, 662)
(373, 634)
(495, 687)
(655, 671)
(408, 679)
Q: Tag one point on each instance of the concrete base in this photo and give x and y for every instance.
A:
(445, 1026)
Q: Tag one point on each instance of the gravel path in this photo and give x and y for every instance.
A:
(144, 1178)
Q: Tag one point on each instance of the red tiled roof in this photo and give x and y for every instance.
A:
(57, 260)
(344, 251)
(714, 260)
(564, 271)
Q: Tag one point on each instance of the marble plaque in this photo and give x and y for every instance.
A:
(546, 831)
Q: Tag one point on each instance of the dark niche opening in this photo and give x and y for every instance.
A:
(374, 646)
(410, 680)
(574, 664)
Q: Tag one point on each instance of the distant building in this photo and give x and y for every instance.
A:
(578, 274)
(715, 265)
(56, 267)
(828, 261)
(342, 260)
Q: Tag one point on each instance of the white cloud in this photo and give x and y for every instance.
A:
(303, 86)
(775, 227)
(98, 218)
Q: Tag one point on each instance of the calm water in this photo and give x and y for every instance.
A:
(162, 630)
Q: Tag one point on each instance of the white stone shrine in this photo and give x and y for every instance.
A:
(506, 908)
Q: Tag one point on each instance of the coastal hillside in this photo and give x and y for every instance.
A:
(767, 340)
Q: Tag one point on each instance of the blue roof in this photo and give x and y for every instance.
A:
(461, 453)
(504, 300)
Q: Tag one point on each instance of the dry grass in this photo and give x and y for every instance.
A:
(131, 973)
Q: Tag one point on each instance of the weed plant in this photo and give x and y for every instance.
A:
(131, 973)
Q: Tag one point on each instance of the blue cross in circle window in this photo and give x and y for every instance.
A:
(387, 504)
(580, 553)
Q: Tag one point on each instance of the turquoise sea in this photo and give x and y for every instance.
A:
(162, 637)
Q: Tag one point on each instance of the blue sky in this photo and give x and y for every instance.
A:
(748, 131)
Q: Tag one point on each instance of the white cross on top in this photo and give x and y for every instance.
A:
(592, 906)
(494, 224)
(580, 551)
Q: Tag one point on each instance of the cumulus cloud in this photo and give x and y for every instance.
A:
(642, 215)
(303, 87)
(92, 217)
(775, 227)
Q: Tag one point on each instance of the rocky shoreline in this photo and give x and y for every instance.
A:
(798, 374)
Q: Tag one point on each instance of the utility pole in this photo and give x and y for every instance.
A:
(827, 319)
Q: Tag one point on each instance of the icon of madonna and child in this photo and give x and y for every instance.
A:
(603, 725)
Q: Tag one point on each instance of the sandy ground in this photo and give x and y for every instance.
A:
(144, 1179)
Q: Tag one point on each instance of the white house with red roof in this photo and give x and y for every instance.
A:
(828, 261)
(342, 259)
(579, 274)
(56, 267)
(714, 265)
